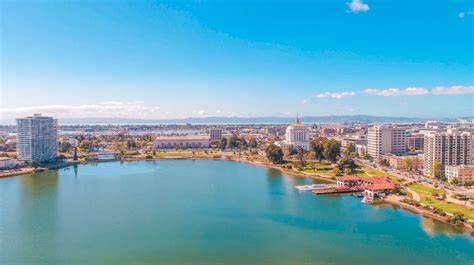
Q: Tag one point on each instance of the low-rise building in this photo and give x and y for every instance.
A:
(350, 180)
(463, 173)
(181, 141)
(411, 162)
(8, 162)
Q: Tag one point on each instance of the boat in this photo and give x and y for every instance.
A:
(367, 199)
(312, 187)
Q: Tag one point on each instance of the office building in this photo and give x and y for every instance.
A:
(385, 140)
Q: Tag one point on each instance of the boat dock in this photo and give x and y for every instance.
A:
(338, 189)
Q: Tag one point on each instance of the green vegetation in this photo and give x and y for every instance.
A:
(274, 154)
(430, 197)
(424, 190)
(377, 172)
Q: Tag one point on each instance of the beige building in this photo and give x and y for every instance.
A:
(181, 141)
(385, 140)
(449, 148)
(215, 134)
(464, 174)
(403, 162)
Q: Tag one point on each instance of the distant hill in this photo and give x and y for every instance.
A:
(245, 120)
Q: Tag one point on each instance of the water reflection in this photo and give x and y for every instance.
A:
(39, 197)
(433, 228)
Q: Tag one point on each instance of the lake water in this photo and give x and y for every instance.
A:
(206, 212)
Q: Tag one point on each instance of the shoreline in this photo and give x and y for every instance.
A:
(387, 200)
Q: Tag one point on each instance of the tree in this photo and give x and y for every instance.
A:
(365, 154)
(332, 150)
(408, 163)
(384, 162)
(242, 143)
(64, 146)
(274, 154)
(301, 153)
(317, 146)
(75, 154)
(35, 164)
(223, 143)
(350, 150)
(438, 170)
(347, 165)
(253, 142)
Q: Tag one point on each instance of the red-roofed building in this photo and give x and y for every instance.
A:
(379, 188)
(350, 180)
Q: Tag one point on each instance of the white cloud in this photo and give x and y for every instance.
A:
(411, 91)
(336, 95)
(104, 109)
(199, 113)
(304, 102)
(463, 14)
(453, 90)
(357, 6)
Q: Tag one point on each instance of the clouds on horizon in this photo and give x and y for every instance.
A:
(391, 92)
(409, 91)
(336, 95)
(106, 109)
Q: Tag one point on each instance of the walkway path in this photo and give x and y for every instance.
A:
(415, 195)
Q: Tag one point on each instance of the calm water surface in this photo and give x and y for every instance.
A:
(206, 212)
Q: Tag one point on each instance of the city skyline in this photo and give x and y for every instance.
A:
(164, 60)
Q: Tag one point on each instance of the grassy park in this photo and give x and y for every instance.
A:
(428, 196)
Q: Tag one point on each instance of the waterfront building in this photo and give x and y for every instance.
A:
(450, 148)
(350, 180)
(8, 163)
(296, 135)
(215, 134)
(181, 141)
(463, 173)
(37, 138)
(385, 140)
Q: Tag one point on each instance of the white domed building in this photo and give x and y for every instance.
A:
(297, 134)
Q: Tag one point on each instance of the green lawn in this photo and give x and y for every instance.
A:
(448, 207)
(377, 172)
(426, 194)
(424, 190)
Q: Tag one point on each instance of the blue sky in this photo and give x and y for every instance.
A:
(169, 59)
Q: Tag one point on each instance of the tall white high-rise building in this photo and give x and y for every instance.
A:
(385, 140)
(449, 148)
(37, 138)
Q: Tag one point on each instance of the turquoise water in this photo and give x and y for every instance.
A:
(206, 212)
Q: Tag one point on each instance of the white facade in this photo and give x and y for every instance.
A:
(37, 138)
(464, 174)
(7, 163)
(182, 141)
(296, 135)
(385, 140)
(449, 148)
